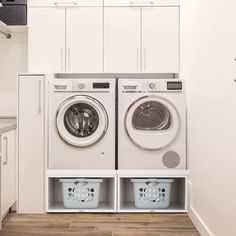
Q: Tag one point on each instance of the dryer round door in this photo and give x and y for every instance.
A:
(82, 121)
(152, 122)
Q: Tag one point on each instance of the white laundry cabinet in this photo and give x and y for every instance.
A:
(31, 143)
(112, 37)
(141, 39)
(7, 171)
(65, 37)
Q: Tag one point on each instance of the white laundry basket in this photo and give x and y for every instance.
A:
(81, 193)
(152, 193)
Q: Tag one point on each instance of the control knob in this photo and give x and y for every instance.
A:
(152, 85)
(81, 85)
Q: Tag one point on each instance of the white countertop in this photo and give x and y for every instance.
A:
(7, 124)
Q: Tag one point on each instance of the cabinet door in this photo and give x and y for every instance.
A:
(122, 39)
(84, 39)
(46, 39)
(31, 144)
(8, 171)
(160, 39)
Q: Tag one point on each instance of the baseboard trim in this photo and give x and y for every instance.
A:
(199, 223)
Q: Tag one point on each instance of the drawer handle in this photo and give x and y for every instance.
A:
(65, 4)
(6, 151)
(141, 2)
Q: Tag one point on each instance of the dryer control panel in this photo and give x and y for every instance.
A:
(151, 85)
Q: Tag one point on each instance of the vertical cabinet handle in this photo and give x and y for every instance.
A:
(62, 59)
(68, 53)
(6, 151)
(144, 58)
(137, 51)
(39, 94)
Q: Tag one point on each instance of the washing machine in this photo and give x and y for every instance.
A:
(151, 124)
(81, 128)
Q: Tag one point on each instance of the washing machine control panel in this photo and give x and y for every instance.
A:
(90, 86)
(85, 85)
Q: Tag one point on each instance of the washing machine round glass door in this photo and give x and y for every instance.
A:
(82, 121)
(152, 122)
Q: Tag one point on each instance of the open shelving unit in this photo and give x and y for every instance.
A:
(178, 200)
(54, 196)
(116, 191)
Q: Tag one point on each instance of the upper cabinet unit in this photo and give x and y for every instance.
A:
(114, 36)
(122, 39)
(65, 36)
(160, 39)
(84, 27)
(46, 41)
(141, 36)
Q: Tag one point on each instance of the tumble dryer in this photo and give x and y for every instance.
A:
(151, 124)
(81, 129)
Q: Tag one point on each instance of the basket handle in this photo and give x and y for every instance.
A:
(152, 182)
(81, 182)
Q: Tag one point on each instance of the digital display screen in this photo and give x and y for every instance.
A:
(174, 85)
(101, 85)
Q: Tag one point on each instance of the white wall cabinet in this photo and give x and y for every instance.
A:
(31, 144)
(46, 40)
(84, 39)
(141, 39)
(160, 39)
(70, 40)
(8, 171)
(122, 39)
(119, 37)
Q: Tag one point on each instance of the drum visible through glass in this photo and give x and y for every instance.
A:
(151, 115)
(81, 120)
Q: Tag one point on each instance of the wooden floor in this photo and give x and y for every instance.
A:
(98, 225)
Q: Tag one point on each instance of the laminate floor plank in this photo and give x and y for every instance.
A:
(161, 226)
(152, 233)
(98, 225)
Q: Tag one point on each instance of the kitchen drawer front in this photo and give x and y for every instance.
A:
(65, 3)
(135, 3)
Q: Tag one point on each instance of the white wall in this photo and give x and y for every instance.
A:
(13, 59)
(208, 52)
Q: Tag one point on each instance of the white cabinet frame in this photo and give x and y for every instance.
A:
(52, 179)
(8, 172)
(31, 143)
(126, 175)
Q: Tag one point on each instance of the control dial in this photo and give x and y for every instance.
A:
(152, 85)
(81, 85)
